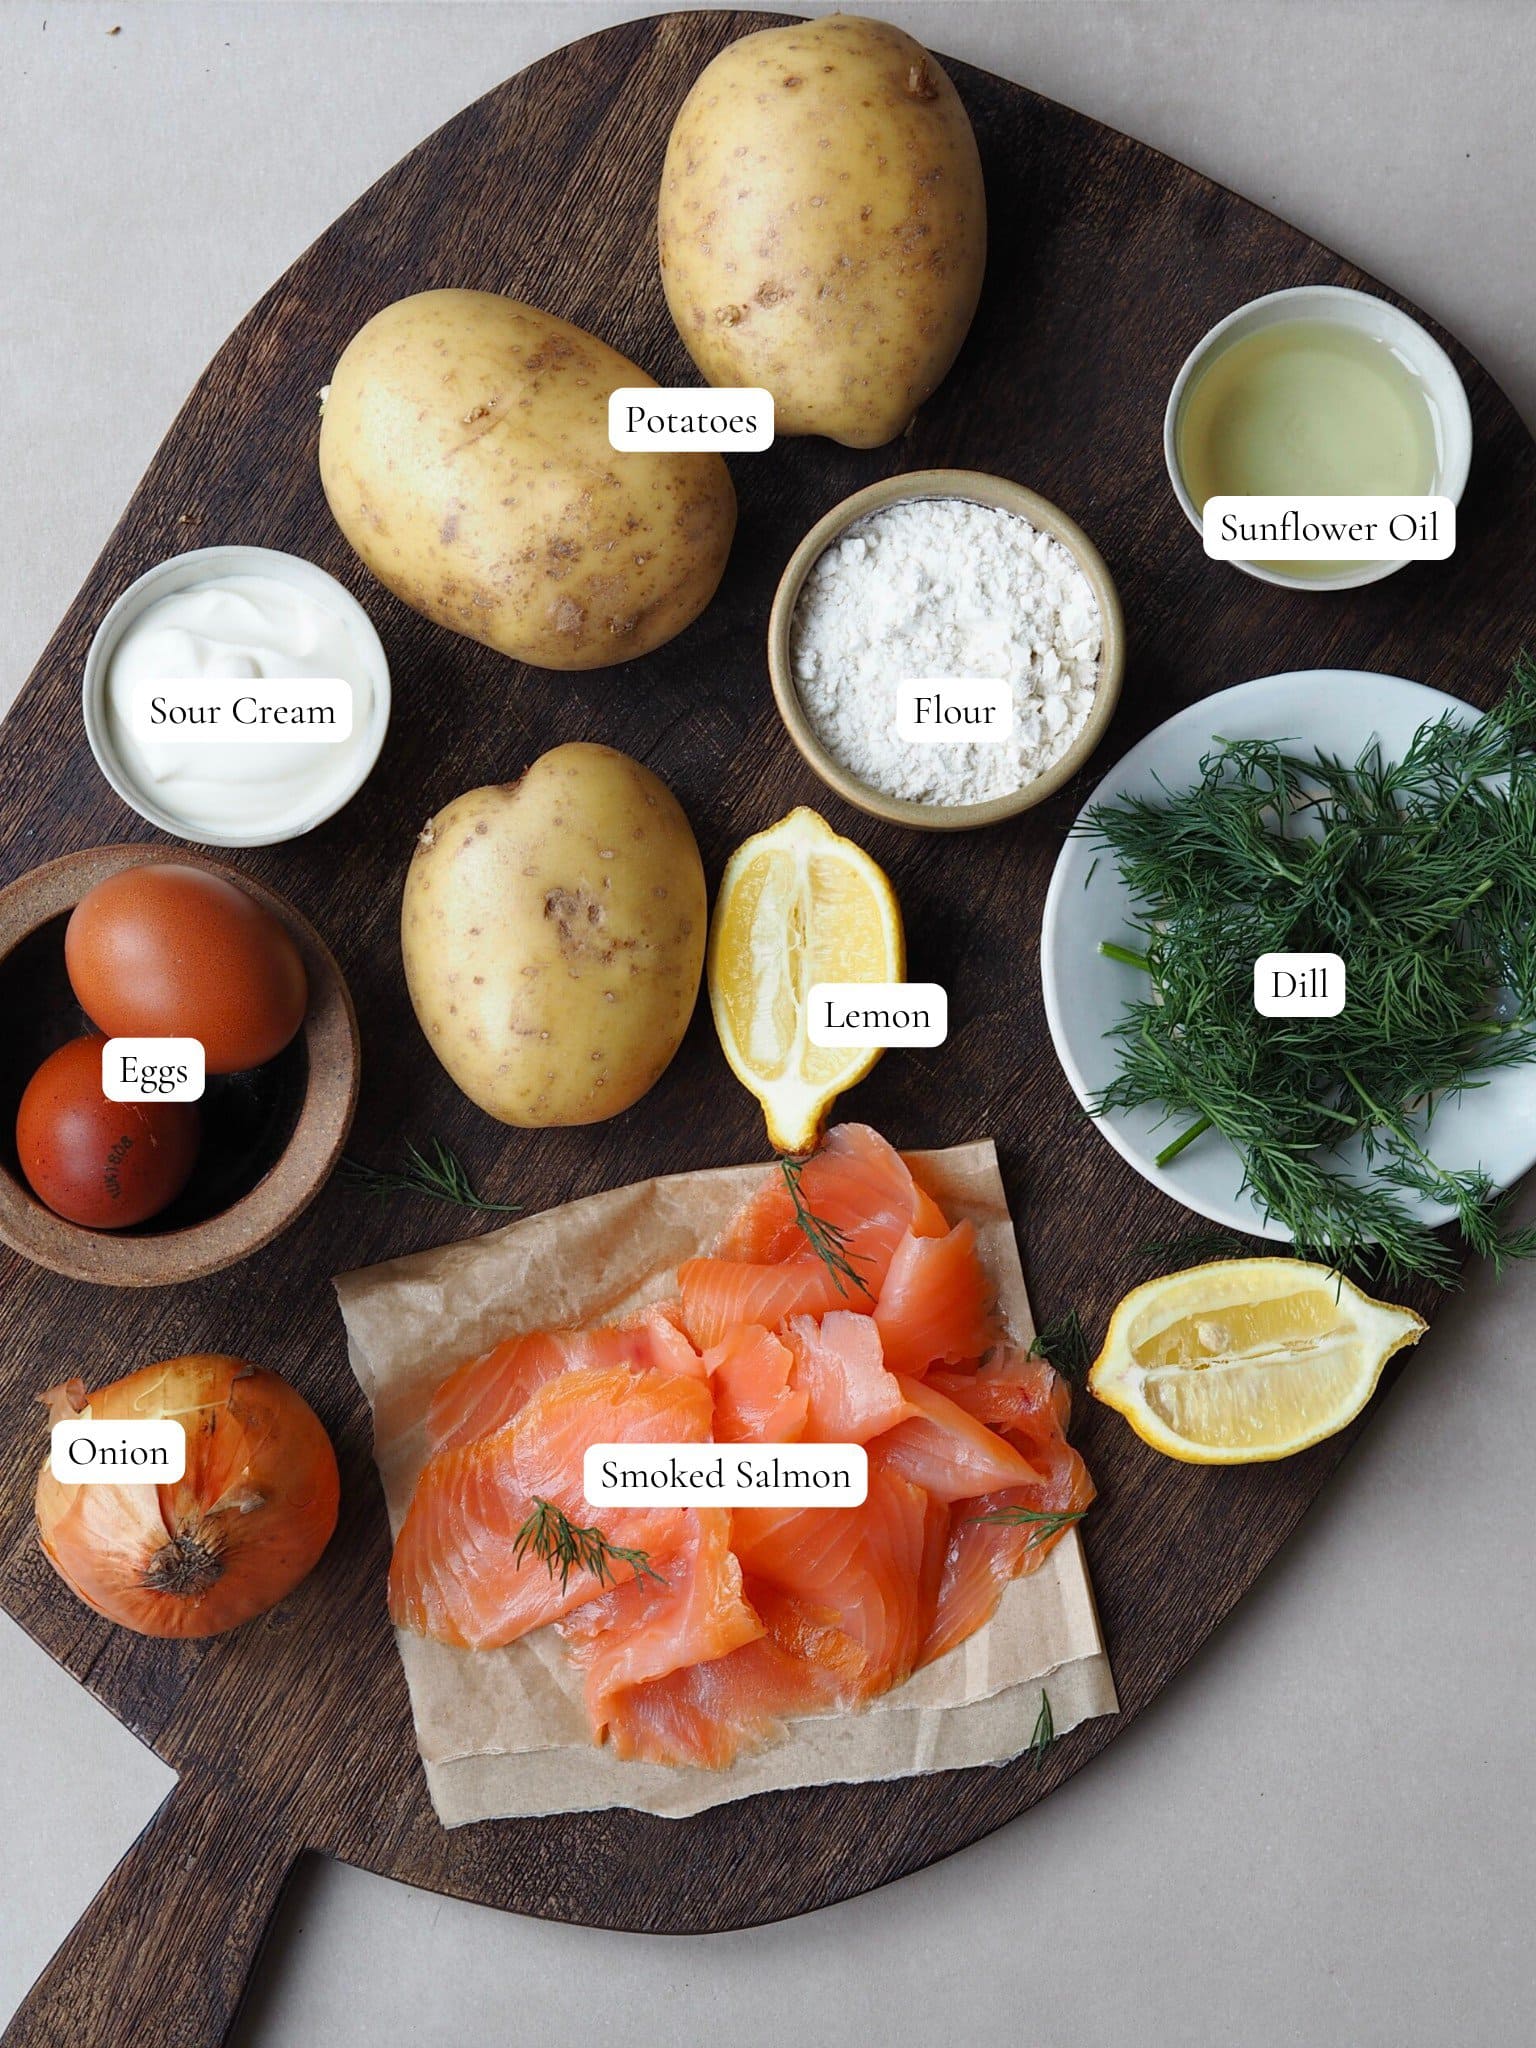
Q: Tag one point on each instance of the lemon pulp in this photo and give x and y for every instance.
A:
(798, 905)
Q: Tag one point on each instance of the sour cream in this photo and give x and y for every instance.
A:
(247, 773)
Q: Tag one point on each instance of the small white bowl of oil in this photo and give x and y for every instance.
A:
(1316, 391)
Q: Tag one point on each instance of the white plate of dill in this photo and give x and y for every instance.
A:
(1327, 810)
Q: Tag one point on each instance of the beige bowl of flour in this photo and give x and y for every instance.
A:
(976, 488)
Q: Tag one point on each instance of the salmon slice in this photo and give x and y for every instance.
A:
(455, 1574)
(982, 1556)
(483, 1393)
(707, 1682)
(1030, 1403)
(1014, 1393)
(710, 1714)
(853, 1590)
(644, 1631)
(947, 1451)
(667, 1345)
(856, 1182)
(936, 1306)
(814, 1640)
(840, 1370)
(749, 1378)
(1026, 1401)
(819, 1641)
(717, 1294)
(763, 1271)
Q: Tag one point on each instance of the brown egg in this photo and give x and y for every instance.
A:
(167, 951)
(99, 1163)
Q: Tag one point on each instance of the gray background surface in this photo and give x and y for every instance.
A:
(1323, 1830)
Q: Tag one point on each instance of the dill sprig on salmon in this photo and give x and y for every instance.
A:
(826, 1240)
(566, 1547)
(1043, 1523)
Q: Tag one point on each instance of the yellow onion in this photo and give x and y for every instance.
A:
(239, 1530)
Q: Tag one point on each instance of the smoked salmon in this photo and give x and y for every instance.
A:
(857, 1184)
(840, 1369)
(457, 1573)
(483, 1393)
(856, 1587)
(935, 1305)
(1028, 1404)
(941, 1447)
(720, 1294)
(648, 1628)
(749, 1376)
(840, 1306)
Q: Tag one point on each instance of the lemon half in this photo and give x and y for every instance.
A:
(797, 905)
(1246, 1359)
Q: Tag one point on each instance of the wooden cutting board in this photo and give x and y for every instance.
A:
(1107, 262)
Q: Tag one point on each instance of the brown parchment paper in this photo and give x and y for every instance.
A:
(502, 1732)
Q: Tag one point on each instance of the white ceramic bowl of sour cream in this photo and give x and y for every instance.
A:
(226, 611)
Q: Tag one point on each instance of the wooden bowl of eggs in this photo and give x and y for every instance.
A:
(125, 943)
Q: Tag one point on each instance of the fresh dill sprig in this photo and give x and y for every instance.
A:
(442, 1178)
(825, 1239)
(1064, 1346)
(1044, 1733)
(1421, 874)
(1048, 1522)
(550, 1534)
(1196, 1248)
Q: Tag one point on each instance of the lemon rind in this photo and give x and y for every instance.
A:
(1116, 1381)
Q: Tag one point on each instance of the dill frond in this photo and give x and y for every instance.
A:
(442, 1178)
(565, 1547)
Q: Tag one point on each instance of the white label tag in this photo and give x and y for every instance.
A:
(1328, 529)
(725, 1475)
(953, 710)
(683, 420)
(877, 1013)
(218, 711)
(153, 1069)
(87, 1453)
(1298, 984)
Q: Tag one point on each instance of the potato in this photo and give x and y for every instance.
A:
(553, 932)
(822, 225)
(464, 451)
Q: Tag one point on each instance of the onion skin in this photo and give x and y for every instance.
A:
(246, 1522)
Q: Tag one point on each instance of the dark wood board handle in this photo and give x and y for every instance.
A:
(163, 1951)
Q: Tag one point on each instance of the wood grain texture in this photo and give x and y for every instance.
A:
(1107, 262)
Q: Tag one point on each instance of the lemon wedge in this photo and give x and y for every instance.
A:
(1246, 1359)
(797, 905)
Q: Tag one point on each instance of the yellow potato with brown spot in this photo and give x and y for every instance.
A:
(553, 932)
(822, 225)
(464, 453)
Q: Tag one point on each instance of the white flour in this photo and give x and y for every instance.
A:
(942, 587)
